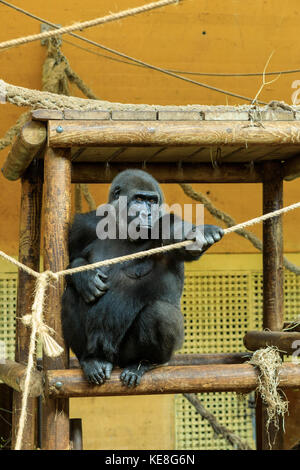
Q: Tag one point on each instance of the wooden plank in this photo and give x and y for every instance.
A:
(226, 115)
(46, 114)
(57, 213)
(25, 147)
(170, 173)
(134, 115)
(180, 116)
(86, 115)
(283, 340)
(168, 133)
(168, 379)
(29, 254)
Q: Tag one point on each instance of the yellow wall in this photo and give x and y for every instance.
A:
(239, 37)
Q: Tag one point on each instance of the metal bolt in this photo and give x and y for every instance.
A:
(151, 130)
(58, 385)
(59, 129)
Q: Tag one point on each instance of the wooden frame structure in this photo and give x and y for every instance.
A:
(57, 148)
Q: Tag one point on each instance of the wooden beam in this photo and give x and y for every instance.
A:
(170, 133)
(291, 168)
(191, 359)
(13, 374)
(29, 254)
(168, 379)
(283, 340)
(26, 146)
(170, 172)
(57, 213)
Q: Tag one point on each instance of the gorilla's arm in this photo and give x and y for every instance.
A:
(204, 236)
(89, 284)
(82, 233)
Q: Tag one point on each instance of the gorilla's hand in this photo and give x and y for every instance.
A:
(204, 237)
(92, 285)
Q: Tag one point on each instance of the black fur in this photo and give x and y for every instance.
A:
(126, 315)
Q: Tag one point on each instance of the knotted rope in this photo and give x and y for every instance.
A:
(35, 319)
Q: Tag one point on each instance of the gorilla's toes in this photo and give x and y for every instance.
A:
(96, 371)
(131, 375)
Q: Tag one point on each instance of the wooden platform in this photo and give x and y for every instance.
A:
(188, 144)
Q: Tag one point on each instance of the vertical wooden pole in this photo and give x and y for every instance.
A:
(29, 254)
(57, 203)
(273, 292)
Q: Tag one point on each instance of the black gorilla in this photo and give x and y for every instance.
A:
(128, 314)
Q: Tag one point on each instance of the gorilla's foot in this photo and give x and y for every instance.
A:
(131, 375)
(96, 370)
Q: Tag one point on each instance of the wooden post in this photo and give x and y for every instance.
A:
(29, 254)
(272, 274)
(57, 180)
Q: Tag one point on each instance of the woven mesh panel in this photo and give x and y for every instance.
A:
(219, 307)
(8, 293)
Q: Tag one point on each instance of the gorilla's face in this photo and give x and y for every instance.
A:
(137, 198)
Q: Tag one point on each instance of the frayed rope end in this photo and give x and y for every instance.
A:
(50, 347)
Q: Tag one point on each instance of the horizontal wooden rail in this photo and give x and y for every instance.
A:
(171, 133)
(283, 340)
(189, 359)
(170, 172)
(13, 374)
(168, 379)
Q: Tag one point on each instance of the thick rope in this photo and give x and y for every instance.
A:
(230, 222)
(50, 346)
(219, 429)
(36, 322)
(87, 24)
(173, 246)
(268, 363)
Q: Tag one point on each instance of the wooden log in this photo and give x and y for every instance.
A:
(57, 212)
(168, 379)
(273, 293)
(291, 168)
(170, 133)
(170, 172)
(283, 340)
(26, 146)
(29, 254)
(13, 374)
(191, 359)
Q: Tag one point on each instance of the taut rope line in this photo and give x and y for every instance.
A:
(35, 319)
(87, 24)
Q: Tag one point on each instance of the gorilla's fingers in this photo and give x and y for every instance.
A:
(108, 369)
(101, 274)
